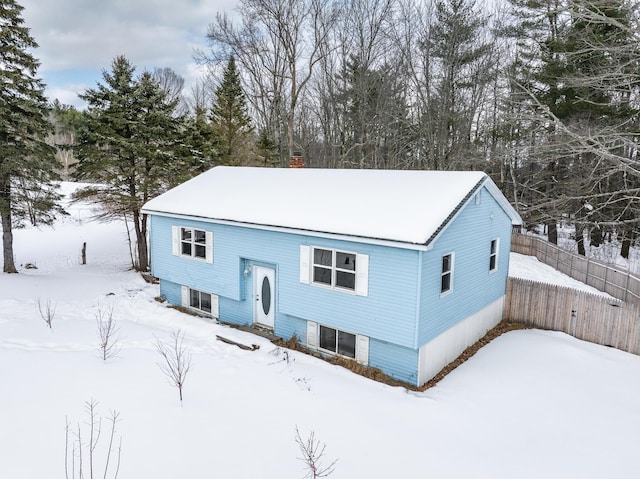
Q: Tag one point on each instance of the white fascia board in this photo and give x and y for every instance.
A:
(516, 219)
(316, 234)
(495, 192)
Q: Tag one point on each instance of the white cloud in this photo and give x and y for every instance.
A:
(87, 35)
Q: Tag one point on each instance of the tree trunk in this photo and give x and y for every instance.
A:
(140, 225)
(580, 239)
(596, 237)
(627, 236)
(7, 233)
(552, 232)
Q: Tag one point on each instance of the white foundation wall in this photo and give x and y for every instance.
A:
(440, 351)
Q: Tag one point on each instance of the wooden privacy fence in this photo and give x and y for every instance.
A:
(586, 316)
(617, 283)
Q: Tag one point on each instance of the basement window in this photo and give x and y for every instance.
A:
(200, 301)
(336, 341)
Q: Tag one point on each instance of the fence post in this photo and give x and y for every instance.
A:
(571, 266)
(626, 288)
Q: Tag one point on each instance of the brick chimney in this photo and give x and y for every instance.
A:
(297, 160)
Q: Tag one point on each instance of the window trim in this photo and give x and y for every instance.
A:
(361, 343)
(444, 292)
(193, 242)
(214, 299)
(495, 255)
(177, 243)
(337, 337)
(334, 269)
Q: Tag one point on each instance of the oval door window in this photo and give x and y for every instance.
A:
(266, 296)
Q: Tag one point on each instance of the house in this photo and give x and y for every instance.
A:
(399, 270)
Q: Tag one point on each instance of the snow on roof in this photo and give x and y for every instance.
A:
(395, 205)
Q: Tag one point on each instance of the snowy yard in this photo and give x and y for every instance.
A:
(531, 404)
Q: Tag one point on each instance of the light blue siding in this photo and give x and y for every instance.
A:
(398, 362)
(403, 309)
(288, 326)
(171, 291)
(474, 287)
(388, 312)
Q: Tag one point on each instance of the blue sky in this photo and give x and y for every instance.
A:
(80, 38)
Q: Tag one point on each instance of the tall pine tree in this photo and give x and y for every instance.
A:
(26, 162)
(230, 119)
(128, 145)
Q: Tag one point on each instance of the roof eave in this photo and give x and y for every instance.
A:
(297, 231)
(495, 192)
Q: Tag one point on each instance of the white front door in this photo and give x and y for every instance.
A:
(264, 296)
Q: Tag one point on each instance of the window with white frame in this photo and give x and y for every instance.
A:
(336, 341)
(493, 255)
(446, 279)
(334, 268)
(200, 301)
(193, 243)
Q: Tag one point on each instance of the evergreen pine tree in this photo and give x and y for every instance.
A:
(26, 161)
(230, 119)
(198, 151)
(128, 145)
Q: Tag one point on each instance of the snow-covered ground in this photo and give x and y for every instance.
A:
(528, 267)
(531, 404)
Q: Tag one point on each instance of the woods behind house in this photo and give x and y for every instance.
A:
(542, 95)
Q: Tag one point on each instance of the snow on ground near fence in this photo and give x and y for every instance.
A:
(528, 267)
(531, 404)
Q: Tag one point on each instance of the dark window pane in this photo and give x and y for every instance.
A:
(446, 263)
(347, 344)
(493, 246)
(446, 282)
(345, 280)
(194, 300)
(328, 338)
(345, 261)
(322, 257)
(205, 302)
(201, 251)
(492, 262)
(186, 249)
(321, 275)
(266, 296)
(200, 236)
(186, 234)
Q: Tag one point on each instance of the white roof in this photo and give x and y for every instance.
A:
(408, 206)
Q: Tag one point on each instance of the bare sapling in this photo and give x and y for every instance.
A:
(108, 333)
(81, 459)
(176, 361)
(47, 311)
(312, 454)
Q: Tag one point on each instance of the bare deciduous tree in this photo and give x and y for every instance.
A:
(47, 311)
(77, 452)
(312, 454)
(177, 359)
(108, 332)
(278, 45)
